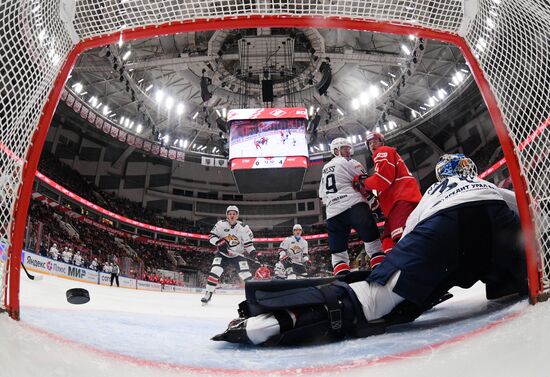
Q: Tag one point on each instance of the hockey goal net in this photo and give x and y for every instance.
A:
(505, 43)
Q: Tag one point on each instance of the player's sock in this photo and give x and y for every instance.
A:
(340, 263)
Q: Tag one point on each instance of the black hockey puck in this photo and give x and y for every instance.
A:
(78, 296)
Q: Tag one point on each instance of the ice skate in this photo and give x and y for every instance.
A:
(235, 332)
(206, 298)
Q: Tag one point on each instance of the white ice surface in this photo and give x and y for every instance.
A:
(123, 332)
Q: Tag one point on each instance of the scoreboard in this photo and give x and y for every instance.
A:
(268, 149)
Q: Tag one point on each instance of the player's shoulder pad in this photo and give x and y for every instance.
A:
(385, 149)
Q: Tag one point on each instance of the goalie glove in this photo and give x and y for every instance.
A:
(222, 246)
(376, 259)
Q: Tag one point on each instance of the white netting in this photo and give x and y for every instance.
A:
(510, 38)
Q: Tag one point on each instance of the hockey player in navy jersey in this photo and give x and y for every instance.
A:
(345, 207)
(462, 231)
(233, 241)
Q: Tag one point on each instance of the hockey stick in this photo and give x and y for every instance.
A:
(249, 258)
(31, 277)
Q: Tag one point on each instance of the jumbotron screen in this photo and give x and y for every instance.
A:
(257, 137)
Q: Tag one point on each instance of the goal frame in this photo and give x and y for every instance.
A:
(20, 213)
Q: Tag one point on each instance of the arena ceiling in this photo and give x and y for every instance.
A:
(377, 81)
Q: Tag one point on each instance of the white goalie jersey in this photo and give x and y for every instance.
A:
(295, 250)
(335, 189)
(238, 237)
(448, 193)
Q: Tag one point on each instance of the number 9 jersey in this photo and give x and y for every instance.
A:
(335, 189)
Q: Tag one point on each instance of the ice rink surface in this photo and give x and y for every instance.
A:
(123, 332)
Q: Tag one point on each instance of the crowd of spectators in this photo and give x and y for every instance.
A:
(53, 168)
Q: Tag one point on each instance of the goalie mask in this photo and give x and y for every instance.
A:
(338, 143)
(451, 165)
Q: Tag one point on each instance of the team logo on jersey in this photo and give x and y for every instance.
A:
(232, 241)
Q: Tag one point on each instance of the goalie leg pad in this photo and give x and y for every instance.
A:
(338, 317)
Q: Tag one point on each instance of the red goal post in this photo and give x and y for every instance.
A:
(502, 42)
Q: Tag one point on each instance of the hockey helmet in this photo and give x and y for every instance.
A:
(374, 136)
(457, 164)
(338, 143)
(297, 226)
(232, 208)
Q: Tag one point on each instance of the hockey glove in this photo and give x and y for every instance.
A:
(358, 183)
(254, 255)
(373, 201)
(222, 246)
(376, 259)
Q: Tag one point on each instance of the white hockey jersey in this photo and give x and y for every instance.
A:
(54, 253)
(238, 237)
(280, 270)
(295, 250)
(77, 260)
(448, 193)
(335, 189)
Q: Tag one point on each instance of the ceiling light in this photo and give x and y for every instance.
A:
(355, 104)
(149, 87)
(185, 143)
(340, 112)
(453, 85)
(112, 115)
(218, 112)
(431, 102)
(490, 23)
(121, 120)
(169, 102)
(377, 129)
(224, 112)
(411, 37)
(77, 87)
(84, 93)
(139, 128)
(311, 111)
(413, 113)
(364, 98)
(422, 107)
(391, 74)
(180, 108)
(196, 115)
(126, 55)
(159, 96)
(120, 41)
(441, 93)
(322, 147)
(353, 139)
(126, 122)
(214, 150)
(374, 91)
(140, 81)
(384, 83)
(406, 50)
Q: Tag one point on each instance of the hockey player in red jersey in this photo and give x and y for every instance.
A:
(397, 190)
(262, 273)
